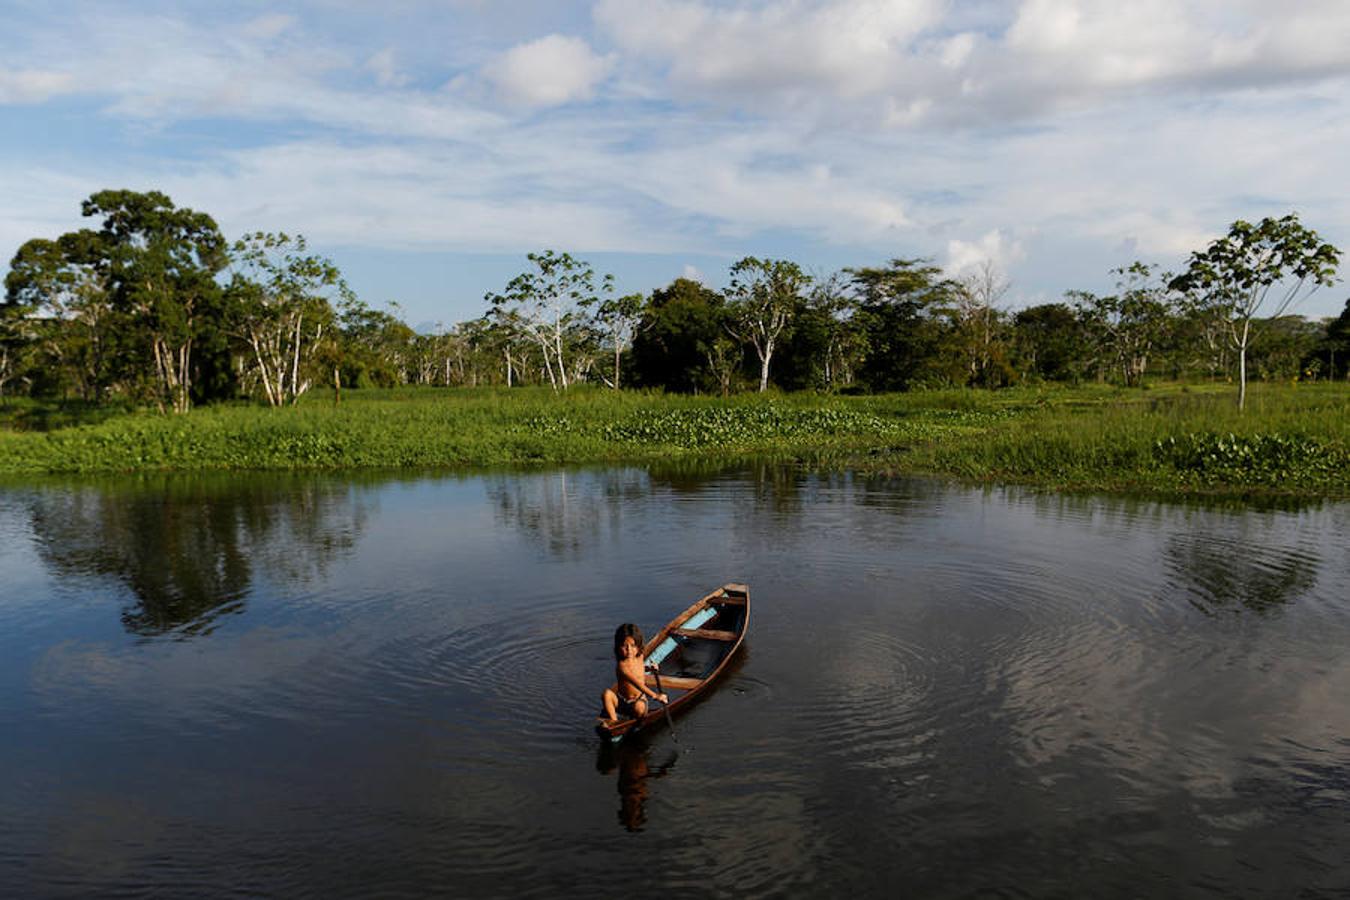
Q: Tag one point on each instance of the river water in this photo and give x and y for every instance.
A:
(336, 686)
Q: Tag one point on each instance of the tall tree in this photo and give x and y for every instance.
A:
(978, 323)
(283, 306)
(824, 345)
(844, 342)
(1336, 344)
(1238, 272)
(64, 285)
(681, 344)
(763, 295)
(1202, 328)
(619, 318)
(899, 306)
(507, 335)
(15, 340)
(1128, 324)
(1288, 349)
(1049, 342)
(547, 300)
(162, 263)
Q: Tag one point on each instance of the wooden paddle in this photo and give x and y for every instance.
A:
(665, 707)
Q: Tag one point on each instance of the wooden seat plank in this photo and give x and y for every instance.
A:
(711, 634)
(675, 682)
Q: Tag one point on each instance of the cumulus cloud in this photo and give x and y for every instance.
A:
(870, 129)
(912, 63)
(161, 70)
(1164, 41)
(994, 247)
(548, 72)
(782, 53)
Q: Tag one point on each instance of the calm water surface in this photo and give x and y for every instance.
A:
(327, 686)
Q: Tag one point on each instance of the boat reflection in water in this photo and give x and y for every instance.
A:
(632, 759)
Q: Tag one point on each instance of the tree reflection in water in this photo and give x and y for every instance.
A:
(1223, 573)
(190, 548)
(566, 511)
(1226, 553)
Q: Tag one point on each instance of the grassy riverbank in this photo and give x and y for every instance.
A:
(1293, 439)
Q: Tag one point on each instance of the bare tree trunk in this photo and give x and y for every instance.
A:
(558, 350)
(764, 357)
(165, 396)
(1242, 365)
(295, 359)
(1242, 378)
(548, 365)
(271, 392)
(185, 377)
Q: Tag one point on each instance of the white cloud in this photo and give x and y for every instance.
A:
(385, 70)
(693, 273)
(957, 50)
(267, 27)
(1111, 44)
(786, 54)
(548, 72)
(32, 85)
(993, 246)
(906, 64)
(424, 196)
(743, 197)
(864, 128)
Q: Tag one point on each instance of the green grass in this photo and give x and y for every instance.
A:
(1173, 439)
(1289, 440)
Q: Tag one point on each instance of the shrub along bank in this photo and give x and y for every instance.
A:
(1173, 439)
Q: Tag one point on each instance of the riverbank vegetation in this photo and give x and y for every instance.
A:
(1172, 439)
(152, 342)
(155, 307)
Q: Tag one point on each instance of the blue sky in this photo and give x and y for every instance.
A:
(426, 147)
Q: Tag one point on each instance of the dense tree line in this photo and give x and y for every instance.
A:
(155, 306)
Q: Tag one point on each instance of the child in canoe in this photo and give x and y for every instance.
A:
(629, 696)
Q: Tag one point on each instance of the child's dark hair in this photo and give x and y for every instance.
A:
(627, 630)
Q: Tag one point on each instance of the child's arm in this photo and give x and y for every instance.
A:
(640, 685)
(655, 667)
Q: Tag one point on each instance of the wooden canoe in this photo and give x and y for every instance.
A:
(690, 653)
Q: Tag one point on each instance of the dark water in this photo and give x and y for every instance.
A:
(268, 686)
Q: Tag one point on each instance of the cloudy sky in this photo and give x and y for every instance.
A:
(426, 147)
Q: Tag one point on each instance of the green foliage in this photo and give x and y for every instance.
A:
(1292, 439)
(762, 299)
(1047, 342)
(282, 313)
(618, 318)
(1126, 327)
(679, 332)
(1330, 356)
(546, 302)
(1255, 459)
(743, 426)
(1236, 273)
(134, 313)
(1099, 438)
(899, 311)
